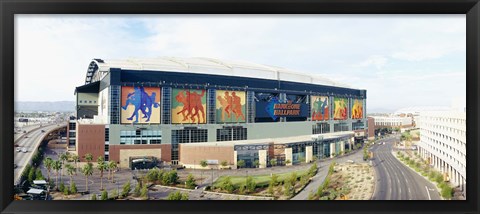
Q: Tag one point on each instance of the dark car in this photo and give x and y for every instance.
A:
(15, 166)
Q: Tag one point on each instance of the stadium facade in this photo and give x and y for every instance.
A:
(184, 110)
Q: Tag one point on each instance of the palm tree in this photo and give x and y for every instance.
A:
(112, 166)
(57, 166)
(63, 157)
(88, 157)
(101, 166)
(48, 163)
(87, 170)
(76, 159)
(71, 170)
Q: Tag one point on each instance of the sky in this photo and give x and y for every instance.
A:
(401, 60)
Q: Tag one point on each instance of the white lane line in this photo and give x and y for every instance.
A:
(429, 198)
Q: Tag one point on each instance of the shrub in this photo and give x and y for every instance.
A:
(250, 184)
(152, 175)
(31, 175)
(273, 162)
(288, 189)
(73, 188)
(126, 189)
(114, 194)
(136, 191)
(170, 178)
(274, 180)
(313, 170)
(39, 175)
(177, 196)
(144, 192)
(227, 185)
(104, 195)
(241, 163)
(447, 192)
(61, 187)
(65, 191)
(190, 183)
(94, 197)
(293, 178)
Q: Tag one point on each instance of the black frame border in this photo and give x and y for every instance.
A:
(9, 8)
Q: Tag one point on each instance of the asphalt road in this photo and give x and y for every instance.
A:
(395, 181)
(31, 143)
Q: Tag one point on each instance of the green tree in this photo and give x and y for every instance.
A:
(203, 163)
(104, 195)
(25, 172)
(66, 191)
(256, 163)
(447, 192)
(71, 170)
(39, 175)
(112, 167)
(87, 171)
(61, 187)
(88, 157)
(288, 161)
(273, 162)
(101, 166)
(76, 159)
(62, 157)
(48, 163)
(170, 178)
(224, 163)
(241, 163)
(73, 188)
(126, 189)
(94, 197)
(227, 185)
(57, 166)
(190, 183)
(152, 175)
(31, 175)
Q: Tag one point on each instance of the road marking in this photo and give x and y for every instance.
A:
(429, 198)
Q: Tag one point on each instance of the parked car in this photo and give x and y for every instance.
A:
(15, 166)
(24, 150)
(19, 149)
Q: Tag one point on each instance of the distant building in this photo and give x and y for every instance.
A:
(371, 128)
(392, 121)
(443, 143)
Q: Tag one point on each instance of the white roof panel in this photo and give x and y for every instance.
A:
(204, 65)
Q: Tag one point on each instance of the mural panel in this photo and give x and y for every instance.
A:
(357, 109)
(230, 106)
(189, 106)
(320, 108)
(340, 108)
(140, 104)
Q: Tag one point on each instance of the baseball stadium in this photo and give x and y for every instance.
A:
(181, 111)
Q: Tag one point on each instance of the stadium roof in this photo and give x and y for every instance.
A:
(98, 68)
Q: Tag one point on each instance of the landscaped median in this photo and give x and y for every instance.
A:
(348, 181)
(281, 186)
(420, 166)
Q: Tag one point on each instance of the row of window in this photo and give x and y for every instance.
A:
(87, 101)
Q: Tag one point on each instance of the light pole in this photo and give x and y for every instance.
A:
(211, 183)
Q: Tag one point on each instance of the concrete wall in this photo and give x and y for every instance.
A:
(191, 155)
(162, 151)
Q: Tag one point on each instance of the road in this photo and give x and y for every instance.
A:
(35, 137)
(395, 181)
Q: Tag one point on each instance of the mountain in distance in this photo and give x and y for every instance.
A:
(33, 106)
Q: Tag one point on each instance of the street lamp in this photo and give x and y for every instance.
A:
(211, 183)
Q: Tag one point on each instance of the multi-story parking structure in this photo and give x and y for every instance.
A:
(162, 108)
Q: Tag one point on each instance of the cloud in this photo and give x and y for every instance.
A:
(377, 61)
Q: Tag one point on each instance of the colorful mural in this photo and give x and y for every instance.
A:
(189, 106)
(140, 104)
(320, 108)
(230, 106)
(340, 108)
(357, 109)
